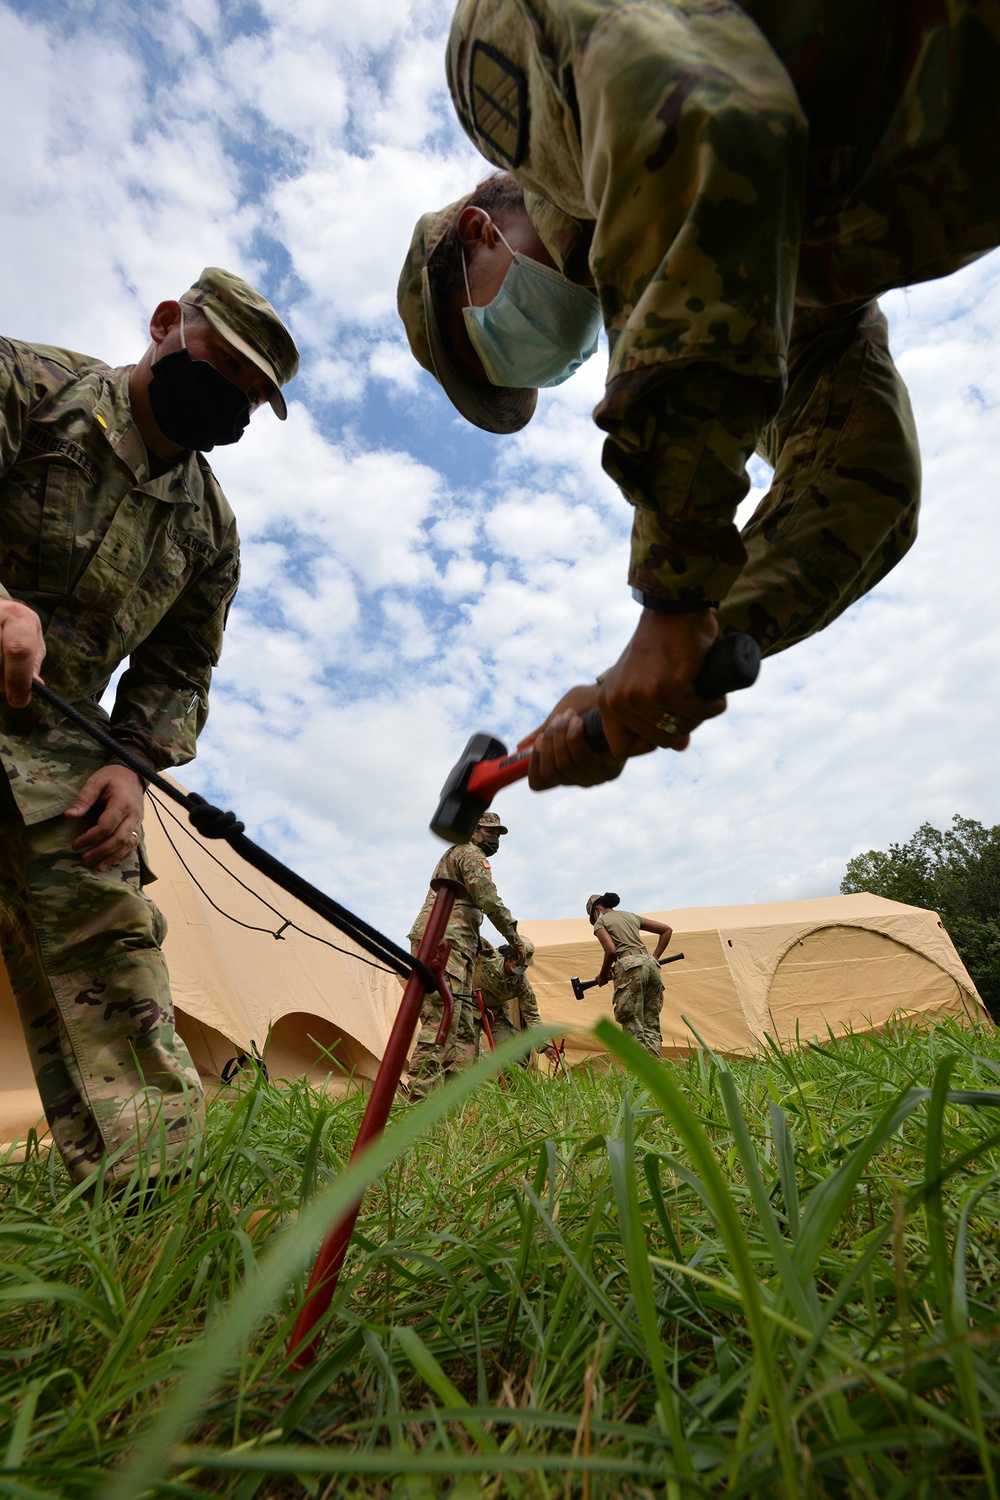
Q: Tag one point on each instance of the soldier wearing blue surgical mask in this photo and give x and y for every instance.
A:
(488, 310)
(538, 328)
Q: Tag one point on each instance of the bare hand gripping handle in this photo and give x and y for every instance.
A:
(730, 665)
(485, 766)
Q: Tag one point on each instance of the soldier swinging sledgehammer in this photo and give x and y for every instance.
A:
(727, 188)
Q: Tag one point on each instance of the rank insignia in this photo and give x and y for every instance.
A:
(498, 93)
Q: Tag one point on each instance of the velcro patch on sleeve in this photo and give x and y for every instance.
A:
(498, 93)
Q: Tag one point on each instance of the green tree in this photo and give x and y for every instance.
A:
(955, 873)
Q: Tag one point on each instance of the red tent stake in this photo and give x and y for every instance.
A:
(326, 1272)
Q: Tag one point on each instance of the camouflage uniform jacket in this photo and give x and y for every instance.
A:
(709, 166)
(116, 562)
(499, 988)
(468, 864)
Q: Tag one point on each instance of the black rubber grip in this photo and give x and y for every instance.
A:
(729, 666)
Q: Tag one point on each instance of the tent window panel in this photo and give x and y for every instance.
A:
(843, 979)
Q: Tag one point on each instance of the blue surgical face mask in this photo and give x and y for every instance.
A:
(538, 329)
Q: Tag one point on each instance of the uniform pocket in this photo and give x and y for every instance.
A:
(152, 596)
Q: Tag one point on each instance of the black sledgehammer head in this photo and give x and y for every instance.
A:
(459, 811)
(730, 664)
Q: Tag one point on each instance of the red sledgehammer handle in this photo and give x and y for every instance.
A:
(490, 775)
(730, 665)
(485, 766)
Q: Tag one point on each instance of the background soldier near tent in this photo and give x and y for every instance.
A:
(468, 863)
(738, 183)
(501, 976)
(117, 542)
(638, 997)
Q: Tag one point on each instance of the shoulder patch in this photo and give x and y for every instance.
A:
(486, 864)
(498, 94)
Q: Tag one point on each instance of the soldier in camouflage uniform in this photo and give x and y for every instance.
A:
(638, 996)
(468, 863)
(500, 976)
(117, 542)
(737, 183)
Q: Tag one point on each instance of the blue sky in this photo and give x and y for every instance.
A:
(409, 580)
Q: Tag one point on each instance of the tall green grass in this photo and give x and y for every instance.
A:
(770, 1278)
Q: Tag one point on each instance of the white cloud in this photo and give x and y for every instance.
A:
(347, 222)
(299, 89)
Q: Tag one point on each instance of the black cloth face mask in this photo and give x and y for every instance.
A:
(194, 404)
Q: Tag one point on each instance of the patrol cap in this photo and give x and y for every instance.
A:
(494, 408)
(607, 898)
(248, 322)
(492, 821)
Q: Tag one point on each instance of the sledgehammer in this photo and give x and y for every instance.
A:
(485, 766)
(579, 985)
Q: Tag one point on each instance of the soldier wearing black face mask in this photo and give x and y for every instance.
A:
(193, 403)
(468, 863)
(116, 542)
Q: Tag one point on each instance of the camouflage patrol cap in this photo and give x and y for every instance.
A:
(248, 322)
(494, 408)
(592, 902)
(492, 821)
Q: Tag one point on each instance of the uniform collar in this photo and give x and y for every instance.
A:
(113, 414)
(566, 239)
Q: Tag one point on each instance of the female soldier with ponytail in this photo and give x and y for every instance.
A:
(638, 997)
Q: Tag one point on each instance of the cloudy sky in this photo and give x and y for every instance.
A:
(409, 580)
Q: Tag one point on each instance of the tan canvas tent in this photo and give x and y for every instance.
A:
(781, 970)
(233, 985)
(796, 968)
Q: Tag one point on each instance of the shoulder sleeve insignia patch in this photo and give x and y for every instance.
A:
(498, 93)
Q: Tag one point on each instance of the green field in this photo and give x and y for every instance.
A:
(771, 1278)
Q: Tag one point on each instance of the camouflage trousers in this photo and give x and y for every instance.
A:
(842, 508)
(501, 1026)
(638, 1000)
(432, 1062)
(504, 1030)
(82, 952)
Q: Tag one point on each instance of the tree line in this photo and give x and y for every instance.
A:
(955, 873)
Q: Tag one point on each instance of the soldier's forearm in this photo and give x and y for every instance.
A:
(679, 454)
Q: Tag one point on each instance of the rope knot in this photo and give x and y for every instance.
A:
(211, 822)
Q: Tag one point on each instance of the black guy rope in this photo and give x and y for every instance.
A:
(286, 922)
(212, 823)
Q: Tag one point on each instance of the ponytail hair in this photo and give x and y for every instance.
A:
(610, 899)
